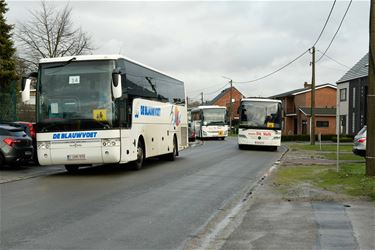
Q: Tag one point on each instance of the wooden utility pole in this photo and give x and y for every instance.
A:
(312, 113)
(230, 105)
(202, 98)
(370, 144)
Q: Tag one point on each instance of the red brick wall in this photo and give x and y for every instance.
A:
(324, 97)
(224, 101)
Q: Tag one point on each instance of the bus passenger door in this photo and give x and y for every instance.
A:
(128, 142)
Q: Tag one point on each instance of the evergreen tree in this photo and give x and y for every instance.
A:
(7, 66)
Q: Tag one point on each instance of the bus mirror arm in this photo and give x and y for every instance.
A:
(116, 85)
(26, 86)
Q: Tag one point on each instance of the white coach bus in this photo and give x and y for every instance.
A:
(260, 122)
(106, 109)
(209, 121)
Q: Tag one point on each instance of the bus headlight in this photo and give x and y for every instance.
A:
(242, 136)
(43, 145)
(276, 137)
(110, 142)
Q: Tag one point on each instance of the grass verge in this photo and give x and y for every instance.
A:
(343, 157)
(350, 180)
(325, 147)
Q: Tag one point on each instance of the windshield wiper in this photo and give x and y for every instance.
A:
(216, 123)
(151, 84)
(47, 126)
(62, 65)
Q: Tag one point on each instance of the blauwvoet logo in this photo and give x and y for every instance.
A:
(74, 135)
(148, 111)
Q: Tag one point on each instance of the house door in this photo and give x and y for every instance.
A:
(304, 127)
(295, 127)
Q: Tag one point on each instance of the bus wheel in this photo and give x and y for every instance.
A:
(172, 156)
(240, 146)
(137, 164)
(72, 168)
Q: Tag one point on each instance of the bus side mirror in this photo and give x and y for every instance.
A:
(116, 85)
(26, 86)
(26, 83)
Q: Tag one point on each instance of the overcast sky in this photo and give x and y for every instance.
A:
(200, 42)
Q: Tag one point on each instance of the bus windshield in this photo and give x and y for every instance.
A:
(214, 116)
(75, 95)
(263, 115)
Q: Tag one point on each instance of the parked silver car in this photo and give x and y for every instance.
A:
(359, 147)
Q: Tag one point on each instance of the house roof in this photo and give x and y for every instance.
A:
(319, 111)
(359, 70)
(302, 90)
(222, 93)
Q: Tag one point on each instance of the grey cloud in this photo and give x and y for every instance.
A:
(201, 41)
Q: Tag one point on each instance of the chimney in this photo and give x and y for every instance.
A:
(306, 85)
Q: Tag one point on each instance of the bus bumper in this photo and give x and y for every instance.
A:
(78, 153)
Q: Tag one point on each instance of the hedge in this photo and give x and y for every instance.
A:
(344, 138)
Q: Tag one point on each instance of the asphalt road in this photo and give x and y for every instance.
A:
(110, 207)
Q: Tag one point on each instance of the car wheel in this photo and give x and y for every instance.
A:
(72, 168)
(2, 160)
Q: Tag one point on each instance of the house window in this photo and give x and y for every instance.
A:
(343, 95)
(342, 124)
(322, 124)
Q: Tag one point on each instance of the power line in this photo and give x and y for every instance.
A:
(333, 59)
(329, 15)
(202, 89)
(273, 72)
(213, 92)
(298, 57)
(334, 36)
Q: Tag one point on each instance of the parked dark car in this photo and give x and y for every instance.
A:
(191, 133)
(15, 145)
(29, 129)
(359, 147)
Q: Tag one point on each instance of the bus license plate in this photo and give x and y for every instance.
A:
(221, 133)
(28, 153)
(76, 157)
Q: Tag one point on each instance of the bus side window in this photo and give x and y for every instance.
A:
(124, 113)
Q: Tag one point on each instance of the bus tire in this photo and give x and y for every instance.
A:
(72, 168)
(172, 156)
(240, 146)
(138, 163)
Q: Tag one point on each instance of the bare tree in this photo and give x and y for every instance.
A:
(50, 33)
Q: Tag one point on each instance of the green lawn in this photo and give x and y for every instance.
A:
(325, 147)
(350, 179)
(343, 156)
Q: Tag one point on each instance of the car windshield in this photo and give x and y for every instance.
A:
(75, 96)
(363, 131)
(14, 132)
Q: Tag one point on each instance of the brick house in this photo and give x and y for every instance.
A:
(297, 110)
(352, 90)
(223, 100)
